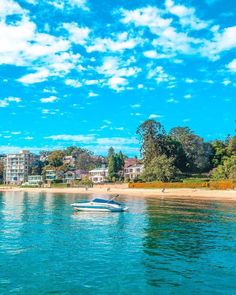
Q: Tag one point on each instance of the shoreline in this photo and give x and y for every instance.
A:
(134, 192)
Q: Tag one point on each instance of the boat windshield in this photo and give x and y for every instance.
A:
(105, 201)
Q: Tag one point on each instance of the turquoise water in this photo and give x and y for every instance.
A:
(160, 246)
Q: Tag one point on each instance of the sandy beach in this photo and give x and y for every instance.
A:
(137, 193)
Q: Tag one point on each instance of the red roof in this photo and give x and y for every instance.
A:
(130, 161)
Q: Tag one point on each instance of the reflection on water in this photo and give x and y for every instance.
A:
(161, 246)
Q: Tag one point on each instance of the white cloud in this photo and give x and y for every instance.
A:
(73, 83)
(154, 55)
(8, 100)
(150, 17)
(9, 7)
(75, 138)
(189, 81)
(116, 83)
(49, 99)
(77, 35)
(158, 73)
(68, 4)
(136, 105)
(172, 100)
(117, 140)
(186, 15)
(37, 77)
(154, 116)
(92, 94)
(3, 104)
(135, 114)
(232, 66)
(226, 82)
(222, 41)
(120, 42)
(188, 96)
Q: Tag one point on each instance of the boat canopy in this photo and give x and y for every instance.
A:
(105, 201)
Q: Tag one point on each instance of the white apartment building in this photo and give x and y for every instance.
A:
(35, 179)
(17, 167)
(98, 175)
(133, 171)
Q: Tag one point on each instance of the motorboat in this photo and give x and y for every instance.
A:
(102, 205)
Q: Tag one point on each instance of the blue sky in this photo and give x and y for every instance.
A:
(88, 72)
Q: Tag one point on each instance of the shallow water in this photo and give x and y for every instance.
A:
(161, 246)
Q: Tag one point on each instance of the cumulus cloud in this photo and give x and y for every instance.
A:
(8, 100)
(73, 83)
(150, 17)
(49, 99)
(75, 138)
(69, 4)
(222, 40)
(120, 42)
(232, 66)
(77, 35)
(186, 15)
(154, 116)
(117, 83)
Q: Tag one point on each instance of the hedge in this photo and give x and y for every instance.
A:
(223, 185)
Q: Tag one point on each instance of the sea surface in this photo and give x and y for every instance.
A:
(161, 246)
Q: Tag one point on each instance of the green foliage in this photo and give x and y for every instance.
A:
(111, 152)
(153, 140)
(160, 168)
(219, 152)
(231, 146)
(197, 152)
(227, 170)
(55, 158)
(115, 164)
(1, 171)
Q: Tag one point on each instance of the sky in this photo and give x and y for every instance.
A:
(89, 72)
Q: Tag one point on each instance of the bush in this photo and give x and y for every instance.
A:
(227, 170)
(160, 168)
(211, 185)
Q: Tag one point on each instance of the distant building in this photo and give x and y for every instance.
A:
(35, 179)
(70, 176)
(130, 161)
(17, 167)
(50, 175)
(133, 171)
(98, 175)
(69, 160)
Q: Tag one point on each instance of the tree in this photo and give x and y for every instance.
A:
(111, 152)
(153, 140)
(160, 168)
(1, 171)
(197, 152)
(112, 168)
(219, 152)
(231, 147)
(120, 161)
(36, 167)
(55, 158)
(227, 170)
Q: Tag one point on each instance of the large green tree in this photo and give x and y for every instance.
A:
(153, 140)
(227, 170)
(115, 164)
(197, 152)
(160, 168)
(219, 152)
(55, 158)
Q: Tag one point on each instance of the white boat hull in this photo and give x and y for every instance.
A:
(99, 205)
